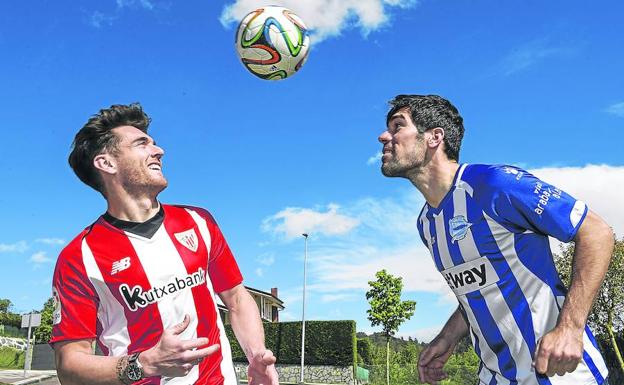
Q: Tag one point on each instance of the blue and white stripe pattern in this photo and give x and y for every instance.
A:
(489, 239)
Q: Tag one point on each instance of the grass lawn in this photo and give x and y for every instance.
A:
(11, 358)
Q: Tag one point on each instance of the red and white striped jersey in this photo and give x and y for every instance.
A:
(124, 289)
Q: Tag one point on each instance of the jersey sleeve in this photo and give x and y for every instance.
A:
(524, 201)
(75, 300)
(222, 267)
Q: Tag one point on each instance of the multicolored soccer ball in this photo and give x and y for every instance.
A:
(272, 42)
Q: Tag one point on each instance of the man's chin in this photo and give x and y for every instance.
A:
(159, 186)
(390, 172)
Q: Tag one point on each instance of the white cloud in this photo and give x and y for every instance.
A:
(374, 159)
(99, 19)
(288, 316)
(351, 269)
(51, 241)
(325, 17)
(337, 297)
(616, 109)
(422, 335)
(17, 247)
(293, 221)
(294, 295)
(530, 54)
(146, 4)
(266, 259)
(599, 186)
(259, 272)
(40, 258)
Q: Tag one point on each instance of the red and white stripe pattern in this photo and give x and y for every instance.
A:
(126, 305)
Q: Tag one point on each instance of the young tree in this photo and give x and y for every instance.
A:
(44, 331)
(606, 316)
(387, 309)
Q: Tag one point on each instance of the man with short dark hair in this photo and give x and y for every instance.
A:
(142, 279)
(487, 230)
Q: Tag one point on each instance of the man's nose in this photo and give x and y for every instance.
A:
(384, 137)
(158, 152)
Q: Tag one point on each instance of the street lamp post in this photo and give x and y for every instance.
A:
(305, 258)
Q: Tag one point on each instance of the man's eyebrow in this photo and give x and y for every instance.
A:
(396, 117)
(142, 139)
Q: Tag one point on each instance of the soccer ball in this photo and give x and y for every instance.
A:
(272, 42)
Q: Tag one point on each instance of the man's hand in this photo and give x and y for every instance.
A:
(262, 369)
(432, 360)
(559, 351)
(172, 356)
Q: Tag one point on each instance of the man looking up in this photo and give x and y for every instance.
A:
(141, 280)
(487, 228)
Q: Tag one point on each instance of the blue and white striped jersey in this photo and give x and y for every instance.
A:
(489, 239)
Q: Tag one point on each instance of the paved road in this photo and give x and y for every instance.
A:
(51, 381)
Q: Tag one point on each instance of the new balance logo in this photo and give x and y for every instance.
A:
(120, 265)
(471, 276)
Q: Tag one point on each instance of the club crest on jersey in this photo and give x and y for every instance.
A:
(188, 239)
(458, 228)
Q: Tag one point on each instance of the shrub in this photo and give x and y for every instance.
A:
(327, 342)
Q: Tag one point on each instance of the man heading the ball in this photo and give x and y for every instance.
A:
(487, 230)
(141, 280)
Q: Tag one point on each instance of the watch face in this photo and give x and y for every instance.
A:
(134, 373)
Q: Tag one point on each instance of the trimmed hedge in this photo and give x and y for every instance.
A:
(12, 331)
(326, 342)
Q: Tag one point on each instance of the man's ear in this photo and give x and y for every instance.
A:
(436, 137)
(105, 163)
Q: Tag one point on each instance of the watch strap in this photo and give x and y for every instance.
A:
(121, 369)
(124, 364)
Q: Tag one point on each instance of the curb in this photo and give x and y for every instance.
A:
(34, 380)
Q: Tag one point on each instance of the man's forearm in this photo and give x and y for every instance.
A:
(455, 328)
(592, 255)
(246, 323)
(84, 368)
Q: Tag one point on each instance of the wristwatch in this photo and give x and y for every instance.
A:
(129, 369)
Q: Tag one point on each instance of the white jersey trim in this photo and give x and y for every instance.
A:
(495, 302)
(227, 366)
(172, 308)
(114, 334)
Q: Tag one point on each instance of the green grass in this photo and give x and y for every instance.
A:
(11, 358)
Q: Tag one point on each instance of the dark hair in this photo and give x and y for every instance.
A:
(96, 137)
(431, 111)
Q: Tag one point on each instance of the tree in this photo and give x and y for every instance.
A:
(463, 368)
(7, 317)
(5, 305)
(44, 331)
(606, 316)
(387, 309)
(365, 351)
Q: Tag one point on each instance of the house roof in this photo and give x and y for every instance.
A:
(278, 301)
(264, 293)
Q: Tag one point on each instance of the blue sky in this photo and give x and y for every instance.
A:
(539, 84)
